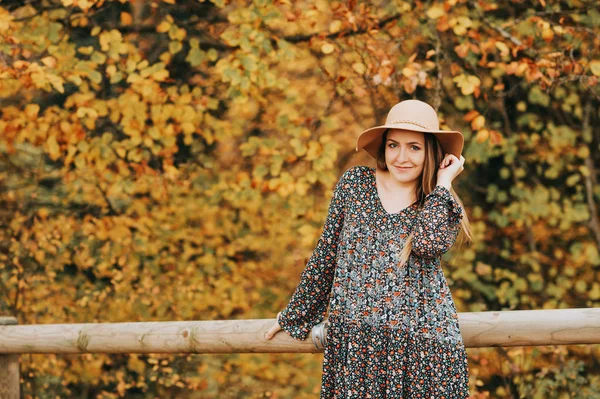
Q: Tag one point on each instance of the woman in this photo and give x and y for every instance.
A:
(393, 329)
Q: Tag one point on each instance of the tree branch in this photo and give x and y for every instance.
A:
(502, 32)
(307, 37)
(112, 210)
(590, 181)
(437, 97)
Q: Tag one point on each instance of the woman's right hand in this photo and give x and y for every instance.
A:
(274, 329)
(450, 167)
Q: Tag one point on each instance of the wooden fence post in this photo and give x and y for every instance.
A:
(9, 369)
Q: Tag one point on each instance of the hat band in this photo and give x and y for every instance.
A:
(410, 122)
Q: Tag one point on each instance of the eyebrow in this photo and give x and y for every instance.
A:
(412, 142)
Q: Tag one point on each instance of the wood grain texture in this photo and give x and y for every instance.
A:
(531, 327)
(479, 329)
(215, 336)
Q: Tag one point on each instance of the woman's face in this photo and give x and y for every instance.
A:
(405, 154)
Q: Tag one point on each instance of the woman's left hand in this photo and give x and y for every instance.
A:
(450, 167)
(274, 328)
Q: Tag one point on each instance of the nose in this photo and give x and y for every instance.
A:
(402, 155)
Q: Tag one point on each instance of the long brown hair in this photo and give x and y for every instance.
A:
(428, 181)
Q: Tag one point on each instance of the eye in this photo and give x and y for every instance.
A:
(417, 147)
(391, 145)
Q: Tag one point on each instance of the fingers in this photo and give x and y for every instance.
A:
(446, 161)
(450, 158)
(274, 329)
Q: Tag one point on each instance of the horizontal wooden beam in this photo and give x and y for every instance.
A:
(479, 329)
(531, 327)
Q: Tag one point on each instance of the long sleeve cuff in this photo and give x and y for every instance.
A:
(294, 325)
(437, 225)
(456, 211)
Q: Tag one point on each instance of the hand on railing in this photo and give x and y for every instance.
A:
(274, 329)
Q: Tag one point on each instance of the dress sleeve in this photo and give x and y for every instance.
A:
(310, 300)
(437, 225)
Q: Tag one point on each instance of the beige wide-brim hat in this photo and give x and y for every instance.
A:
(416, 116)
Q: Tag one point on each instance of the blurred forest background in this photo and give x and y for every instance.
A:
(174, 160)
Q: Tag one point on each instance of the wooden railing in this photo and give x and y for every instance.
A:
(478, 329)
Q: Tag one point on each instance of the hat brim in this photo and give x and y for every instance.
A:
(451, 141)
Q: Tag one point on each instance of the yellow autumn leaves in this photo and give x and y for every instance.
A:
(468, 84)
(595, 67)
(459, 24)
(327, 48)
(483, 134)
(185, 172)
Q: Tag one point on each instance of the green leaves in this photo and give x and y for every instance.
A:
(536, 96)
(195, 55)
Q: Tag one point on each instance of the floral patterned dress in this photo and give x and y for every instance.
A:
(393, 331)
